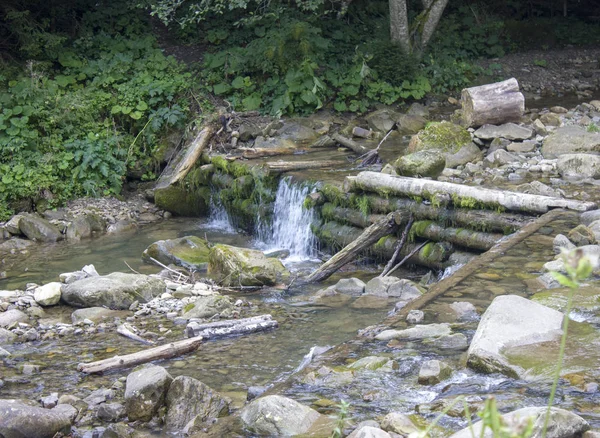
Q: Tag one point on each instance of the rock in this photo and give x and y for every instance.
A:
(499, 158)
(562, 423)
(183, 202)
(208, 306)
(594, 227)
(255, 392)
(562, 242)
(275, 415)
(233, 266)
(50, 401)
(410, 124)
(3, 353)
(497, 144)
(20, 420)
(350, 286)
(415, 316)
(79, 228)
(362, 424)
(424, 163)
(85, 272)
(12, 226)
(191, 252)
(121, 226)
(39, 229)
(418, 109)
(524, 147)
(510, 131)
(96, 315)
(12, 316)
(145, 392)
(118, 430)
(405, 290)
(443, 136)
(6, 336)
(330, 297)
(579, 165)
(249, 131)
(110, 412)
(464, 311)
(100, 395)
(590, 216)
(369, 363)
(539, 127)
(570, 140)
(398, 423)
(415, 333)
(15, 245)
(539, 188)
(369, 432)
(456, 341)
(466, 154)
(433, 372)
(115, 291)
(48, 294)
(379, 285)
(382, 120)
(511, 320)
(296, 132)
(325, 376)
(189, 400)
(581, 235)
(550, 119)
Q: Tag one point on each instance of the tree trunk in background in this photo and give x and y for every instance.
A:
(399, 32)
(436, 10)
(400, 29)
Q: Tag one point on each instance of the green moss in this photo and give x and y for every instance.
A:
(220, 163)
(188, 307)
(362, 203)
(183, 202)
(237, 169)
(335, 195)
(474, 204)
(427, 250)
(418, 228)
(444, 136)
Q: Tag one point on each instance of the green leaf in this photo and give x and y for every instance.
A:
(64, 81)
(238, 83)
(142, 106)
(252, 102)
(564, 280)
(136, 115)
(126, 109)
(340, 106)
(221, 88)
(116, 109)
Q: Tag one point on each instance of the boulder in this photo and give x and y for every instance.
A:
(12, 226)
(415, 333)
(562, 424)
(14, 245)
(550, 119)
(48, 294)
(590, 216)
(467, 154)
(379, 285)
(369, 432)
(510, 131)
(6, 336)
(191, 401)
(455, 341)
(425, 163)
(39, 229)
(433, 372)
(562, 242)
(570, 140)
(579, 165)
(500, 157)
(443, 136)
(398, 423)
(145, 392)
(275, 415)
(79, 228)
(20, 420)
(111, 412)
(350, 286)
(522, 147)
(232, 266)
(511, 321)
(208, 306)
(11, 316)
(115, 291)
(183, 202)
(330, 297)
(96, 315)
(382, 120)
(298, 133)
(409, 124)
(191, 252)
(405, 290)
(581, 235)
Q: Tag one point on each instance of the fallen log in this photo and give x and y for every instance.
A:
(233, 327)
(252, 153)
(166, 351)
(399, 245)
(350, 144)
(368, 237)
(128, 331)
(349, 215)
(462, 195)
(495, 104)
(289, 166)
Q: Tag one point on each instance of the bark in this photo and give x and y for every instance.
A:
(399, 29)
(231, 327)
(497, 103)
(390, 265)
(462, 194)
(435, 11)
(166, 351)
(457, 236)
(367, 238)
(346, 142)
(289, 166)
(251, 153)
(349, 216)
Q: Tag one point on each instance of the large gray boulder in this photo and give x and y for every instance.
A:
(425, 163)
(11, 316)
(145, 392)
(208, 306)
(37, 228)
(416, 333)
(511, 321)
(15, 245)
(190, 402)
(570, 140)
(510, 131)
(579, 165)
(115, 291)
(18, 420)
(233, 266)
(562, 423)
(48, 294)
(190, 252)
(275, 415)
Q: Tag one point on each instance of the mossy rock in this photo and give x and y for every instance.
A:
(191, 252)
(183, 202)
(426, 163)
(233, 266)
(442, 136)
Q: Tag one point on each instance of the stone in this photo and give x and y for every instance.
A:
(379, 285)
(415, 333)
(48, 294)
(581, 235)
(415, 316)
(550, 119)
(424, 163)
(594, 227)
(350, 286)
(3, 353)
(12, 226)
(570, 140)
(96, 315)
(497, 144)
(562, 242)
(6, 337)
(191, 401)
(499, 158)
(362, 424)
(588, 217)
(50, 401)
(464, 311)
(275, 415)
(408, 124)
(208, 306)
(146, 391)
(433, 372)
(121, 226)
(443, 136)
(562, 423)
(579, 165)
(381, 120)
(115, 291)
(39, 229)
(233, 266)
(369, 432)
(296, 131)
(183, 202)
(100, 395)
(110, 412)
(12, 316)
(539, 127)
(190, 252)
(370, 302)
(369, 363)
(523, 147)
(255, 392)
(539, 188)
(467, 154)
(330, 297)
(510, 131)
(405, 290)
(79, 228)
(513, 321)
(21, 420)
(455, 341)
(117, 430)
(399, 423)
(14, 245)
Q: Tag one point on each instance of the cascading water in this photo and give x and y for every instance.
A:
(218, 218)
(290, 228)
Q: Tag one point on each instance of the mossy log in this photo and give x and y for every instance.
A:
(349, 216)
(289, 166)
(221, 180)
(462, 195)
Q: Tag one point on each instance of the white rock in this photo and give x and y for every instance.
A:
(48, 294)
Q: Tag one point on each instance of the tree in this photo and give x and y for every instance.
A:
(413, 38)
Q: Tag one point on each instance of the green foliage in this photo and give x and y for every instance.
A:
(540, 62)
(341, 419)
(592, 127)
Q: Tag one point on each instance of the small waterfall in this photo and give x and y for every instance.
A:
(290, 228)
(218, 218)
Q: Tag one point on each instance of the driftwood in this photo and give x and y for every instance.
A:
(166, 351)
(405, 259)
(232, 327)
(350, 144)
(367, 238)
(289, 166)
(250, 153)
(388, 267)
(128, 331)
(495, 104)
(494, 199)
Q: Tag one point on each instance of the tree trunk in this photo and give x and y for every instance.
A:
(230, 327)
(494, 104)
(251, 153)
(369, 236)
(346, 142)
(462, 194)
(399, 29)
(457, 236)
(436, 9)
(289, 166)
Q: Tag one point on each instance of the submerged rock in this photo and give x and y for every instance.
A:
(145, 392)
(415, 333)
(373, 363)
(233, 266)
(191, 252)
(95, 314)
(21, 420)
(115, 291)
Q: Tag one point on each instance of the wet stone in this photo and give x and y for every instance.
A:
(433, 372)
(415, 316)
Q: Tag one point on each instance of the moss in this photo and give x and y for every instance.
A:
(188, 307)
(474, 204)
(362, 203)
(237, 169)
(182, 202)
(220, 163)
(427, 250)
(418, 228)
(335, 195)
(444, 136)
